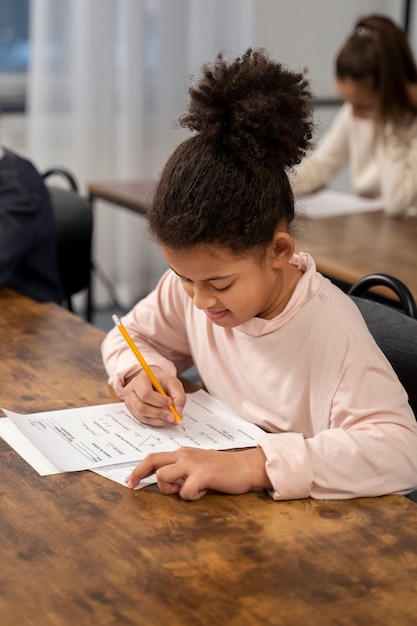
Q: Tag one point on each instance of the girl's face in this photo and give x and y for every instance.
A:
(362, 96)
(232, 289)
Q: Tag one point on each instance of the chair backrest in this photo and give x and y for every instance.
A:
(74, 230)
(362, 286)
(394, 331)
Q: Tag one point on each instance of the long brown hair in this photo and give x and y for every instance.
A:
(378, 49)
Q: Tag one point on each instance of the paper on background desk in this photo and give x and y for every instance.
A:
(105, 436)
(329, 202)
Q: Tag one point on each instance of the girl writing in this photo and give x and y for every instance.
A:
(375, 131)
(269, 335)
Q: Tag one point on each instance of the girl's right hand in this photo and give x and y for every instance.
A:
(149, 406)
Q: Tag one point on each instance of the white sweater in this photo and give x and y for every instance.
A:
(383, 163)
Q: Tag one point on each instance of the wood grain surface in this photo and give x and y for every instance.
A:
(348, 247)
(78, 549)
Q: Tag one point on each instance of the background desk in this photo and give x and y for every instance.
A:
(348, 247)
(80, 549)
(132, 194)
(345, 248)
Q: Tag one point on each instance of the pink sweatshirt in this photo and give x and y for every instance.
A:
(338, 421)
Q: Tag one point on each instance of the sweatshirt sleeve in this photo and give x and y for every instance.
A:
(368, 450)
(397, 165)
(156, 325)
(332, 153)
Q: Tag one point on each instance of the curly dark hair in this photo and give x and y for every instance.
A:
(251, 119)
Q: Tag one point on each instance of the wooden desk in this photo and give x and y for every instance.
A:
(345, 248)
(132, 194)
(79, 549)
(350, 246)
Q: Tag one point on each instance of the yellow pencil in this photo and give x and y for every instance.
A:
(155, 382)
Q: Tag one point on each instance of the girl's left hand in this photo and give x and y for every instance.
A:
(191, 472)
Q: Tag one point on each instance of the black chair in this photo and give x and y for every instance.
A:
(74, 228)
(406, 300)
(395, 331)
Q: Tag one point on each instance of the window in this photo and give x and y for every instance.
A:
(14, 53)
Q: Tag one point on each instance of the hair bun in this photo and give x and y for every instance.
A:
(254, 108)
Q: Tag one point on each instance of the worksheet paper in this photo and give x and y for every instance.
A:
(329, 202)
(101, 437)
(31, 454)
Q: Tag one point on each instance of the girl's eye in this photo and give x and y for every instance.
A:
(187, 281)
(222, 288)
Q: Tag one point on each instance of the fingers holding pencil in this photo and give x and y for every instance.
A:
(151, 407)
(156, 408)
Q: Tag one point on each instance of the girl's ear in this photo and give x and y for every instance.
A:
(281, 249)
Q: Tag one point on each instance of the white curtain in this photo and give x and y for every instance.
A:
(108, 79)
